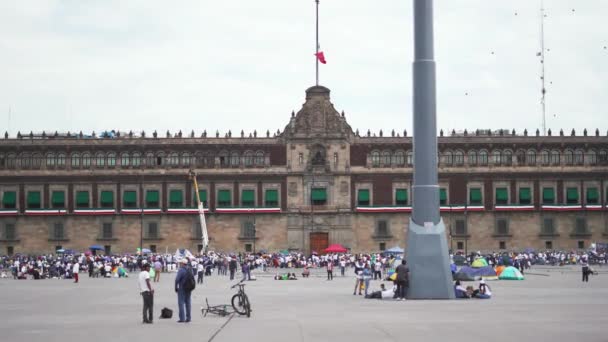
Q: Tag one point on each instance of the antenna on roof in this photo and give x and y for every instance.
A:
(542, 62)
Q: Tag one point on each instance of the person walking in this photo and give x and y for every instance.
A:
(246, 271)
(330, 270)
(183, 293)
(402, 280)
(75, 270)
(585, 268)
(200, 269)
(342, 266)
(147, 293)
(232, 265)
(158, 267)
(367, 276)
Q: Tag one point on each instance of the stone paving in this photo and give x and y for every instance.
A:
(550, 305)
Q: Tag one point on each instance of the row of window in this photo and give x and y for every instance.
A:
(502, 245)
(126, 159)
(501, 196)
(496, 157)
(82, 199)
(548, 227)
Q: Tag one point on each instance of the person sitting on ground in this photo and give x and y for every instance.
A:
(460, 291)
(292, 276)
(483, 292)
(383, 293)
(305, 272)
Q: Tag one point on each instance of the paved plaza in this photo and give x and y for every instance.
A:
(554, 306)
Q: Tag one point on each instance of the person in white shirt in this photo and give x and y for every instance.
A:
(75, 270)
(147, 292)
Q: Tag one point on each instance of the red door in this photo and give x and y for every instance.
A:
(319, 242)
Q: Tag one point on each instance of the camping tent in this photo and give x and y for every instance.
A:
(96, 248)
(394, 250)
(499, 269)
(511, 273)
(467, 274)
(481, 262)
(336, 248)
(487, 273)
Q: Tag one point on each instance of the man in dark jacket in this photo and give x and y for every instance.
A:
(403, 273)
(232, 265)
(183, 296)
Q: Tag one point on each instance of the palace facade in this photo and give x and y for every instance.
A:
(315, 183)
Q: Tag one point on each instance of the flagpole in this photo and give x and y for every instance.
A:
(317, 45)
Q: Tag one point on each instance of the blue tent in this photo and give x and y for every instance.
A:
(394, 250)
(96, 248)
(470, 274)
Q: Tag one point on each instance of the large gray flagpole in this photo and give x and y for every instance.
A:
(427, 247)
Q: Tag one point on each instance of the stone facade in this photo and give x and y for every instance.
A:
(315, 183)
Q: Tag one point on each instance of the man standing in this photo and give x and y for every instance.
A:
(183, 294)
(75, 270)
(200, 271)
(402, 280)
(147, 293)
(232, 265)
(246, 271)
(330, 269)
(158, 267)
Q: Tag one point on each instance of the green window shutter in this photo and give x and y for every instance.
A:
(9, 199)
(224, 198)
(82, 199)
(363, 197)
(58, 199)
(592, 196)
(248, 198)
(272, 198)
(129, 199)
(152, 198)
(319, 194)
(443, 196)
(203, 196)
(33, 199)
(548, 196)
(502, 197)
(401, 197)
(107, 199)
(175, 199)
(475, 196)
(572, 195)
(524, 196)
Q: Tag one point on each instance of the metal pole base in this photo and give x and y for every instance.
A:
(429, 262)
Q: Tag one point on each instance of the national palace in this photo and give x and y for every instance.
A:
(315, 183)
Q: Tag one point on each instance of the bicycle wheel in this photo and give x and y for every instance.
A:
(238, 304)
(247, 305)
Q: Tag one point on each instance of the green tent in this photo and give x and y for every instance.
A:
(511, 273)
(478, 263)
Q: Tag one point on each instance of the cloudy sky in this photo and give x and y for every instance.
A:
(242, 64)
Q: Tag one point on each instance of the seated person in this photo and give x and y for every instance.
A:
(484, 291)
(382, 294)
(292, 276)
(305, 272)
(460, 291)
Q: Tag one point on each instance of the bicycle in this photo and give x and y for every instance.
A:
(240, 301)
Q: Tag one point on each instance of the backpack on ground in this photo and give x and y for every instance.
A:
(190, 282)
(166, 313)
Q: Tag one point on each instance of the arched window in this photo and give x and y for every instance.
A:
(496, 157)
(173, 159)
(50, 160)
(520, 157)
(100, 159)
(545, 157)
(507, 157)
(555, 158)
(569, 157)
(472, 158)
(111, 159)
(259, 158)
(125, 161)
(11, 161)
(483, 157)
(61, 160)
(136, 159)
(36, 161)
(447, 158)
(75, 160)
(150, 159)
(458, 158)
(531, 157)
(375, 158)
(248, 158)
(399, 158)
(409, 158)
(86, 160)
(186, 159)
(160, 159)
(25, 160)
(2, 161)
(579, 156)
(234, 159)
(602, 157)
(386, 158)
(592, 158)
(224, 158)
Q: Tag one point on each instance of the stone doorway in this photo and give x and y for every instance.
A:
(319, 242)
